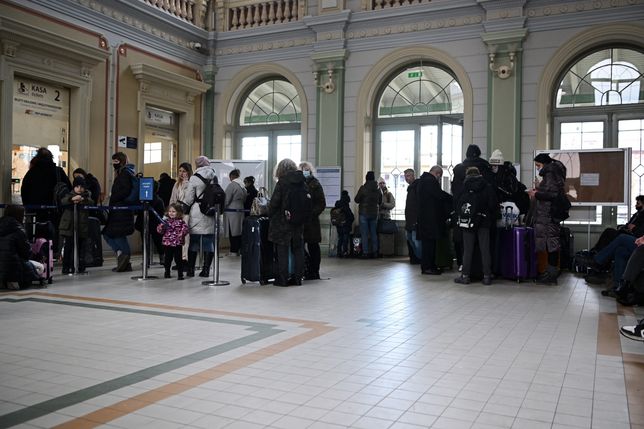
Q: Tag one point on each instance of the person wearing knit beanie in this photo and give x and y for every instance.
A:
(370, 175)
(79, 181)
(202, 161)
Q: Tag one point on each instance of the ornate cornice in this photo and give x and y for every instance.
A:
(570, 7)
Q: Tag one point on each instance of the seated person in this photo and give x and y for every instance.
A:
(634, 227)
(16, 270)
(629, 291)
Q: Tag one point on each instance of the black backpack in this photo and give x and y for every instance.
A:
(298, 204)
(60, 189)
(560, 208)
(338, 217)
(212, 195)
(468, 210)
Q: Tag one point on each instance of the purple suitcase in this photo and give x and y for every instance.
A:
(519, 256)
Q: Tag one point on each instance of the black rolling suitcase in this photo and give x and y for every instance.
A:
(93, 246)
(257, 254)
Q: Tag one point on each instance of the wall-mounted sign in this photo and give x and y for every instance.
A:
(40, 114)
(128, 142)
(158, 117)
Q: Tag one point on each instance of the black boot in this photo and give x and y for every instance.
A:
(192, 259)
(207, 260)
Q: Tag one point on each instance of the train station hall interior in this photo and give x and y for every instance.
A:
(350, 86)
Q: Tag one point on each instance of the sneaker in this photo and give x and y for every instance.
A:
(633, 332)
(487, 280)
(462, 279)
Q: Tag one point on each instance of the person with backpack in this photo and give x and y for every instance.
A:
(342, 218)
(120, 223)
(369, 199)
(312, 232)
(234, 215)
(93, 186)
(289, 208)
(202, 226)
(434, 206)
(548, 196)
(476, 208)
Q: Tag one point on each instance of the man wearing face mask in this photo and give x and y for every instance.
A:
(120, 223)
(312, 234)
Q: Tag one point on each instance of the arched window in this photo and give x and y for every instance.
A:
(600, 103)
(419, 117)
(268, 126)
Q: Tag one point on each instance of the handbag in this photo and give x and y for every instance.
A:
(260, 203)
(387, 226)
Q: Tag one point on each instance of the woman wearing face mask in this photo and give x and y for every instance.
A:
(179, 192)
(546, 228)
(312, 233)
(120, 223)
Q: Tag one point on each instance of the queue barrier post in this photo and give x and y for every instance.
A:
(215, 263)
(146, 233)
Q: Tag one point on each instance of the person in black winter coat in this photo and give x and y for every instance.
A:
(546, 227)
(38, 189)
(14, 249)
(411, 217)
(120, 223)
(472, 159)
(166, 183)
(38, 184)
(484, 218)
(251, 194)
(434, 207)
(344, 229)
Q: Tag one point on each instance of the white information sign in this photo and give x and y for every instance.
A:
(589, 179)
(330, 179)
(246, 168)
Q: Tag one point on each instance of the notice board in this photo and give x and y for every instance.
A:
(255, 168)
(595, 177)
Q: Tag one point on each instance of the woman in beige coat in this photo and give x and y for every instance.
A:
(179, 193)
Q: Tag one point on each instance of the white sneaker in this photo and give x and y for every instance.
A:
(460, 268)
(633, 332)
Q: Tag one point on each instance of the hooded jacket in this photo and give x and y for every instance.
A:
(38, 184)
(198, 222)
(279, 230)
(344, 204)
(66, 226)
(472, 159)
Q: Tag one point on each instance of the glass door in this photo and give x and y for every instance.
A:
(630, 133)
(161, 143)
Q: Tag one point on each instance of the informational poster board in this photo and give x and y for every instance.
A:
(331, 180)
(595, 177)
(257, 169)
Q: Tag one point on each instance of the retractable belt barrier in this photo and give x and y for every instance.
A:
(146, 209)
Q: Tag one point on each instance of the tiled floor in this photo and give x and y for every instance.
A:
(376, 346)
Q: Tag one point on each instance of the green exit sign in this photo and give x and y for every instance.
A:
(414, 74)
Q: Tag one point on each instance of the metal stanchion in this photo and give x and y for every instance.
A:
(146, 218)
(215, 263)
(76, 250)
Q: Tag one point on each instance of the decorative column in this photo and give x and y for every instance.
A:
(208, 118)
(329, 58)
(328, 73)
(504, 37)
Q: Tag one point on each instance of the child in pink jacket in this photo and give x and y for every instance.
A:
(174, 231)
